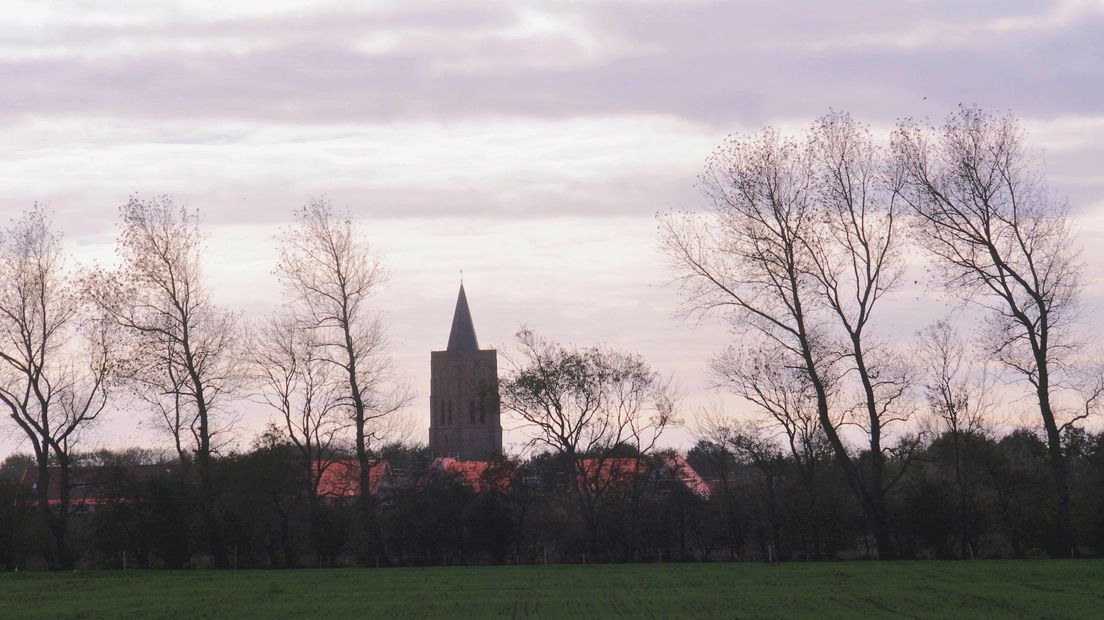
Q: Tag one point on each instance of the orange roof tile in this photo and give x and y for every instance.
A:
(342, 478)
(473, 474)
(621, 469)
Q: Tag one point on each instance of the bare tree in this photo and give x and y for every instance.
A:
(297, 381)
(755, 443)
(778, 388)
(1002, 242)
(959, 393)
(586, 404)
(185, 347)
(57, 361)
(332, 275)
(781, 254)
(712, 428)
(857, 260)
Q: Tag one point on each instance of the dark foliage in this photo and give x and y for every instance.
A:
(523, 511)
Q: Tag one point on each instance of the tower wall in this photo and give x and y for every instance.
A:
(465, 414)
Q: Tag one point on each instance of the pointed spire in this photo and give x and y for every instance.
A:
(462, 337)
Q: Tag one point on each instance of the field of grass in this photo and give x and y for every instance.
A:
(983, 589)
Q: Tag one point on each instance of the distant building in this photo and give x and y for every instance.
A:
(479, 476)
(661, 468)
(341, 479)
(465, 416)
(93, 486)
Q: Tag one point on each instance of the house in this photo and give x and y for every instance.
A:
(90, 486)
(479, 476)
(341, 479)
(667, 467)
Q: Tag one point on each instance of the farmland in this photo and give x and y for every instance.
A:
(1028, 589)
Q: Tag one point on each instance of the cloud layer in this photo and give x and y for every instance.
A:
(526, 142)
(702, 61)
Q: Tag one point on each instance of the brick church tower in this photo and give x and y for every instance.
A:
(464, 416)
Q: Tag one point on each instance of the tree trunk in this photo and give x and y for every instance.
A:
(42, 491)
(874, 487)
(203, 456)
(314, 514)
(373, 547)
(1065, 541)
(964, 543)
(584, 499)
(207, 510)
(60, 522)
(873, 506)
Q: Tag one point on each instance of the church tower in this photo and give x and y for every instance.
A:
(463, 392)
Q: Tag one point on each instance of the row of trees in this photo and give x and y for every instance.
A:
(977, 496)
(806, 240)
(517, 511)
(972, 495)
(74, 339)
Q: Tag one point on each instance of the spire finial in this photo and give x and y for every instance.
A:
(461, 277)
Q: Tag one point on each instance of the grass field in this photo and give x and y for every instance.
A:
(983, 589)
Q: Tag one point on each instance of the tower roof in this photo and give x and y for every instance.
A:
(462, 337)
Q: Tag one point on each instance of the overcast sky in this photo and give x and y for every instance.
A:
(529, 144)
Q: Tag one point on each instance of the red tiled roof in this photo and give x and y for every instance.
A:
(475, 474)
(687, 474)
(342, 478)
(621, 469)
(467, 472)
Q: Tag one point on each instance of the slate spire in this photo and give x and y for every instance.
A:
(462, 337)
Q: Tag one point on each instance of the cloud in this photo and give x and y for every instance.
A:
(238, 172)
(702, 61)
(973, 33)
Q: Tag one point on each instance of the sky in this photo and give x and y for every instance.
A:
(529, 144)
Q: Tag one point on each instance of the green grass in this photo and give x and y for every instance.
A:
(983, 589)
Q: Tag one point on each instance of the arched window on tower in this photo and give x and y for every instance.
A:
(482, 409)
(441, 416)
(471, 411)
(450, 413)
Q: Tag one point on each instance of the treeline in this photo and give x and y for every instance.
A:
(995, 504)
(976, 495)
(804, 246)
(512, 511)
